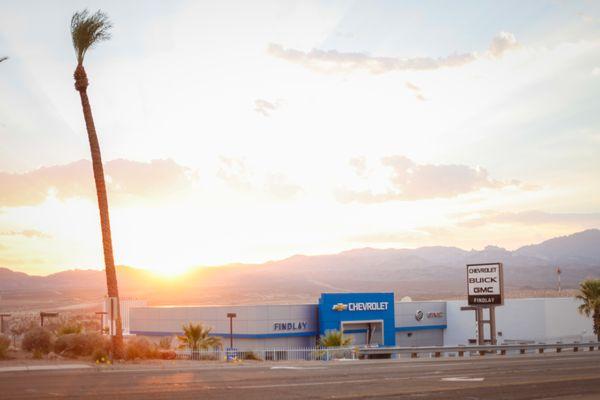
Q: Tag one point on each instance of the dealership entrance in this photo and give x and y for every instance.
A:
(369, 333)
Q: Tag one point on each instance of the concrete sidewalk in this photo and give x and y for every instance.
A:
(17, 368)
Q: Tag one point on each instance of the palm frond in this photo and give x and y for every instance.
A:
(589, 295)
(197, 336)
(584, 309)
(334, 338)
(3, 59)
(87, 30)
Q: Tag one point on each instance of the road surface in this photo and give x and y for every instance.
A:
(549, 376)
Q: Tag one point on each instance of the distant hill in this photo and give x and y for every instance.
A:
(427, 272)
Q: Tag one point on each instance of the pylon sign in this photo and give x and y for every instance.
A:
(485, 284)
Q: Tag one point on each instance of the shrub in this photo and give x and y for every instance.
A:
(38, 340)
(250, 355)
(69, 329)
(4, 345)
(81, 344)
(141, 348)
(165, 342)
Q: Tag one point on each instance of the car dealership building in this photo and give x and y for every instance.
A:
(370, 318)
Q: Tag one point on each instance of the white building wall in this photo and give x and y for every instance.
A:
(253, 327)
(563, 322)
(433, 337)
(125, 306)
(541, 320)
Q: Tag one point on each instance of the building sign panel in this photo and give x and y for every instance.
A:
(485, 284)
(290, 326)
(366, 306)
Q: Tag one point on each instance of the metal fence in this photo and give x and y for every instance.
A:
(355, 352)
(272, 354)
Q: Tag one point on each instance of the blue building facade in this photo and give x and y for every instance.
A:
(358, 312)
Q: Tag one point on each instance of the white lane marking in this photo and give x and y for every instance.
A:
(462, 379)
(288, 367)
(43, 367)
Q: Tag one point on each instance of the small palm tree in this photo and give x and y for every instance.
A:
(86, 31)
(590, 295)
(197, 337)
(335, 339)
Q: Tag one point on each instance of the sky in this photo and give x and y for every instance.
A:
(252, 131)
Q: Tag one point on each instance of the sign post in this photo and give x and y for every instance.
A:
(46, 315)
(231, 352)
(485, 289)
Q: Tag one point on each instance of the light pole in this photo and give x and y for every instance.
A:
(231, 316)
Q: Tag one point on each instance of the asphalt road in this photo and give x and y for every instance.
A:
(549, 376)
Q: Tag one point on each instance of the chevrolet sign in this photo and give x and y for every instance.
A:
(367, 306)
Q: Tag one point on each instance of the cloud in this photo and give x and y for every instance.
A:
(412, 87)
(531, 217)
(407, 180)
(28, 233)
(126, 180)
(586, 17)
(501, 43)
(416, 90)
(265, 107)
(278, 186)
(335, 61)
(359, 164)
(237, 175)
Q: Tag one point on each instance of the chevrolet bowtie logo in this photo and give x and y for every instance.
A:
(340, 307)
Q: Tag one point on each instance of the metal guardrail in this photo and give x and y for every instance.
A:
(501, 349)
(355, 352)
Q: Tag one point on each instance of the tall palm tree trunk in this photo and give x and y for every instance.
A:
(81, 84)
(596, 317)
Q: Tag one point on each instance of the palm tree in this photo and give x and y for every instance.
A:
(590, 295)
(335, 339)
(197, 337)
(86, 31)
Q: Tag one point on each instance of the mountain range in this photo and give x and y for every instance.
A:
(423, 273)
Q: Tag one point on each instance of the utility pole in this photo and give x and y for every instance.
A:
(558, 272)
